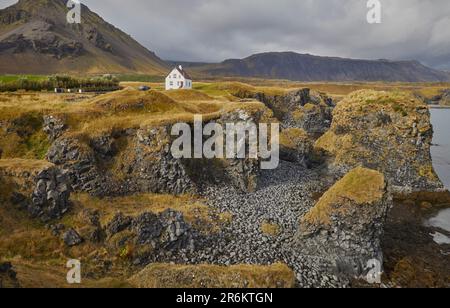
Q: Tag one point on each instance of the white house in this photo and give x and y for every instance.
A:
(178, 79)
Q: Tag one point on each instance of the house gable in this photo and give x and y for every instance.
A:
(178, 79)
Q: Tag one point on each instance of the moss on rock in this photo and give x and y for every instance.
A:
(360, 187)
(387, 131)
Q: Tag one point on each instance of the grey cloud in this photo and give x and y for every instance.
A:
(214, 30)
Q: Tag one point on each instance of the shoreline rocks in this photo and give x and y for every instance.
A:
(346, 225)
(388, 132)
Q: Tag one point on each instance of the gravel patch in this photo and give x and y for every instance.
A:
(284, 195)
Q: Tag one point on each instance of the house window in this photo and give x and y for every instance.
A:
(171, 83)
(174, 76)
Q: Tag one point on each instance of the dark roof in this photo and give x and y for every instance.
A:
(184, 73)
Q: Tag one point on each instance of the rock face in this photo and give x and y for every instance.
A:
(445, 98)
(35, 37)
(140, 160)
(345, 227)
(388, 132)
(53, 126)
(298, 109)
(152, 235)
(37, 186)
(296, 146)
(8, 277)
(72, 238)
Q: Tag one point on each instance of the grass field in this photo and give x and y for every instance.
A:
(11, 78)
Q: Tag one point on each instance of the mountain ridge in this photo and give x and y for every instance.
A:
(305, 67)
(36, 38)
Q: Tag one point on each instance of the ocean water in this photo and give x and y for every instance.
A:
(441, 148)
(441, 161)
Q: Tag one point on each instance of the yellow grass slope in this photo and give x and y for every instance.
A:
(214, 276)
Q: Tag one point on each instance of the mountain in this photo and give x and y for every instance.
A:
(305, 67)
(35, 38)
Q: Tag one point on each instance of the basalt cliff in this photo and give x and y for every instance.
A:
(96, 178)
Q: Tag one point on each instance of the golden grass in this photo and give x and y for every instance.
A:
(53, 273)
(271, 229)
(95, 115)
(213, 276)
(361, 187)
(17, 165)
(341, 89)
(291, 137)
(194, 210)
(188, 95)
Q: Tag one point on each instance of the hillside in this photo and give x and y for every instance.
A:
(36, 38)
(304, 67)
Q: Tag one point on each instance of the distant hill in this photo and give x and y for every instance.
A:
(304, 67)
(35, 38)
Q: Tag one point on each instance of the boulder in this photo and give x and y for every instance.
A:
(71, 238)
(345, 227)
(8, 277)
(152, 235)
(39, 186)
(167, 231)
(298, 147)
(118, 224)
(388, 132)
(54, 126)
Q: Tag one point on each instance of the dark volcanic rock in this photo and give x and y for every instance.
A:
(167, 231)
(388, 132)
(118, 224)
(153, 237)
(8, 277)
(41, 188)
(298, 147)
(50, 198)
(345, 227)
(146, 163)
(311, 112)
(72, 238)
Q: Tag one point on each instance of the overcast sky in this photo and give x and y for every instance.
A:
(214, 30)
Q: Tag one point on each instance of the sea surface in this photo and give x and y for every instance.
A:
(441, 161)
(441, 144)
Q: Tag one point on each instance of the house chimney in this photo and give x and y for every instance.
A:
(180, 67)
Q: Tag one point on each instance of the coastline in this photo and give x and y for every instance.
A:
(438, 107)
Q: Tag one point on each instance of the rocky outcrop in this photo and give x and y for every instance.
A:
(72, 238)
(8, 277)
(388, 132)
(298, 147)
(54, 126)
(311, 112)
(37, 186)
(140, 160)
(445, 98)
(345, 227)
(153, 235)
